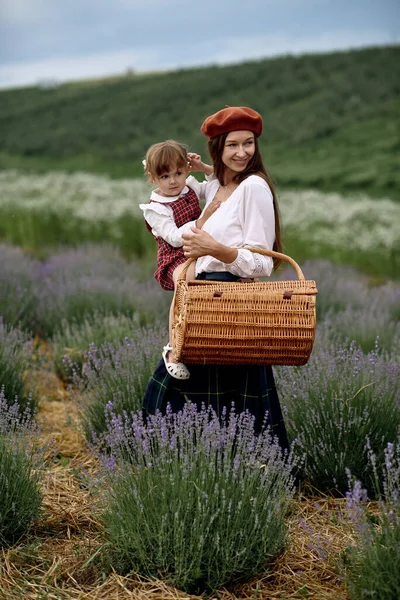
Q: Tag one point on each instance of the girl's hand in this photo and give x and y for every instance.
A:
(210, 210)
(195, 161)
(196, 164)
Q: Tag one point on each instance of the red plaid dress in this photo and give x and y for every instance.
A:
(185, 208)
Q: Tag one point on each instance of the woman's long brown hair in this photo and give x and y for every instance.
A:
(254, 167)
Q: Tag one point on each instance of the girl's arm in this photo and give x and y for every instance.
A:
(207, 212)
(160, 218)
(196, 164)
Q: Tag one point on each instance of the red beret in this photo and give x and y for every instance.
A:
(232, 118)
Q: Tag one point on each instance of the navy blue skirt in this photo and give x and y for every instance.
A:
(246, 387)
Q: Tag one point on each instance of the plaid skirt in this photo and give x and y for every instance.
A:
(247, 387)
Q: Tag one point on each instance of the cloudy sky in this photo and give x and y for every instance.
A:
(43, 40)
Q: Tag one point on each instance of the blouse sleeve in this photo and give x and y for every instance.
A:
(161, 220)
(257, 218)
(200, 187)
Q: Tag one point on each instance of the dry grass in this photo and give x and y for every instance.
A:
(60, 558)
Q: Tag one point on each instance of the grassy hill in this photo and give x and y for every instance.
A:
(332, 121)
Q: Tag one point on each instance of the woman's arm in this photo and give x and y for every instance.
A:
(257, 217)
(257, 221)
(256, 214)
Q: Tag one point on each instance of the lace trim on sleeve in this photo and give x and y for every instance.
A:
(258, 264)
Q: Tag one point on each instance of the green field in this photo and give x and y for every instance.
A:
(331, 120)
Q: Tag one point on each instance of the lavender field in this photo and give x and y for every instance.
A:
(95, 504)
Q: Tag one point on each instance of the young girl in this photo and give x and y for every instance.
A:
(173, 209)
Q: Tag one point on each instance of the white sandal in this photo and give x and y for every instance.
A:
(176, 370)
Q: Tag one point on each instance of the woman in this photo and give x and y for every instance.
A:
(247, 216)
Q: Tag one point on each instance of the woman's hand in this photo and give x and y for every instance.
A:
(200, 243)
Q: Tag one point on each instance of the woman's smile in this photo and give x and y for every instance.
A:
(238, 150)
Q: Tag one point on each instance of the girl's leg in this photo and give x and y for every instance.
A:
(176, 369)
(170, 356)
(190, 274)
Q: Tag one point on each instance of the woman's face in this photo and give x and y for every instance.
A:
(238, 150)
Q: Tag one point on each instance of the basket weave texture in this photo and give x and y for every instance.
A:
(267, 322)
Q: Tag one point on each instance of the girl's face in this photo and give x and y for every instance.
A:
(238, 150)
(171, 183)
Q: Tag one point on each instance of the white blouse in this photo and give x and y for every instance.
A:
(246, 218)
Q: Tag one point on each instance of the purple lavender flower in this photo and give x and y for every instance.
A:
(94, 279)
(339, 405)
(116, 373)
(377, 543)
(21, 464)
(15, 356)
(17, 297)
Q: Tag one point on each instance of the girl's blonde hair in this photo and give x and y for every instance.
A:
(165, 156)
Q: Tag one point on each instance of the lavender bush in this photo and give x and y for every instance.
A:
(15, 352)
(17, 297)
(72, 340)
(373, 565)
(116, 373)
(334, 405)
(20, 468)
(205, 502)
(95, 279)
(375, 317)
(74, 284)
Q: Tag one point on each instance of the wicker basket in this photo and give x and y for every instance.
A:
(267, 322)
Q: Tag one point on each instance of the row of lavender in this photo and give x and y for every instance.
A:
(108, 323)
